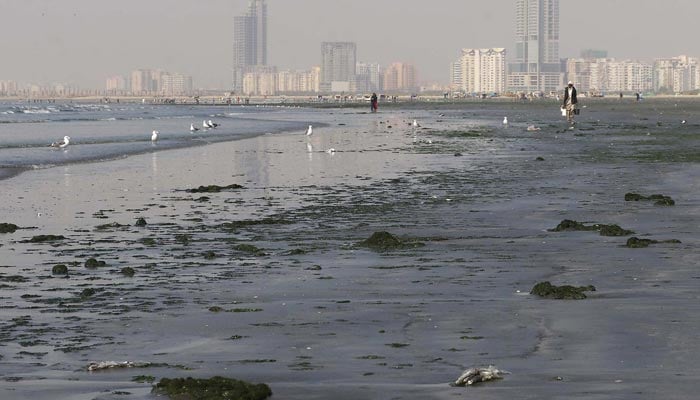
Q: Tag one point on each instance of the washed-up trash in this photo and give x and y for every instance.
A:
(98, 366)
(476, 375)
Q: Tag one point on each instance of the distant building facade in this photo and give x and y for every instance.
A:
(400, 77)
(536, 66)
(249, 41)
(261, 81)
(676, 75)
(368, 77)
(338, 65)
(605, 75)
(479, 71)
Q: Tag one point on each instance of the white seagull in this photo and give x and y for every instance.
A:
(211, 124)
(205, 125)
(310, 131)
(154, 136)
(415, 123)
(505, 120)
(63, 143)
(330, 151)
(193, 128)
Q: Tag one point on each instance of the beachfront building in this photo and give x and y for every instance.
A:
(479, 71)
(174, 84)
(400, 77)
(115, 85)
(261, 81)
(249, 41)
(291, 82)
(536, 66)
(676, 75)
(606, 75)
(8, 88)
(338, 64)
(368, 77)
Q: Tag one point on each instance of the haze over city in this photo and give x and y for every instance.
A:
(83, 42)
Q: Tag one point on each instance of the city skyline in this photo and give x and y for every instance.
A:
(81, 43)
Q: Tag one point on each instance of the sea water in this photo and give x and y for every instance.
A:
(100, 132)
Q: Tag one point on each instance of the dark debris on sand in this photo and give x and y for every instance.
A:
(385, 241)
(566, 292)
(214, 188)
(658, 199)
(568, 225)
(216, 388)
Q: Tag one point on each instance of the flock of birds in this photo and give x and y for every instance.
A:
(206, 125)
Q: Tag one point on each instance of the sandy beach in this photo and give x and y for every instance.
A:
(267, 282)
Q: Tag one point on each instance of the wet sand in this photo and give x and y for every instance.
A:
(316, 317)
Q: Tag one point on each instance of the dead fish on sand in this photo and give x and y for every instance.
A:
(476, 375)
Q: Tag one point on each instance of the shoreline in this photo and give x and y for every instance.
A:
(266, 283)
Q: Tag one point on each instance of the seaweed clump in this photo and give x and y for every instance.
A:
(568, 225)
(385, 241)
(59, 269)
(92, 263)
(46, 238)
(216, 388)
(8, 228)
(658, 199)
(214, 188)
(566, 292)
(637, 243)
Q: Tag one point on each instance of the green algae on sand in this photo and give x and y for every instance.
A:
(658, 199)
(216, 388)
(8, 228)
(566, 292)
(637, 243)
(568, 225)
(385, 241)
(214, 188)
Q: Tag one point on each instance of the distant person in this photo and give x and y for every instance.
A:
(621, 95)
(570, 102)
(374, 103)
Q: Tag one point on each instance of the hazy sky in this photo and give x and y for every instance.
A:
(85, 41)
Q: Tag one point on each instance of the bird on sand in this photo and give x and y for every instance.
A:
(505, 120)
(310, 131)
(154, 136)
(62, 144)
(212, 124)
(193, 128)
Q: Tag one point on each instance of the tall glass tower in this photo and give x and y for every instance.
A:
(536, 67)
(249, 41)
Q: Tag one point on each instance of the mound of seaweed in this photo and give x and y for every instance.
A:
(216, 388)
(566, 292)
(568, 225)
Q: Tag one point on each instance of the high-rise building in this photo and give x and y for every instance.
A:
(175, 84)
(400, 77)
(249, 41)
(605, 75)
(369, 77)
(338, 64)
(676, 75)
(480, 71)
(536, 66)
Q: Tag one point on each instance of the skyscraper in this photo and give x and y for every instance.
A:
(536, 67)
(480, 71)
(338, 64)
(249, 41)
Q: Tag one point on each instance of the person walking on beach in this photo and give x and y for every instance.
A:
(570, 102)
(374, 103)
